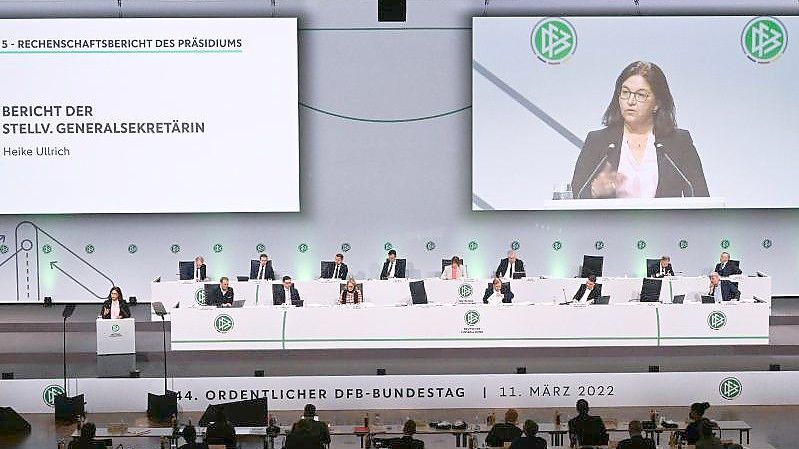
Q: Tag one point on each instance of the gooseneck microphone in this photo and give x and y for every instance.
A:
(676, 169)
(596, 169)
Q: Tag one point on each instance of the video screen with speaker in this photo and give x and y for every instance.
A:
(149, 115)
(634, 112)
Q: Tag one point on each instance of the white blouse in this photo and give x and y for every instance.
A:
(640, 180)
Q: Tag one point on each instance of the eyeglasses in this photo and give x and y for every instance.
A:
(640, 96)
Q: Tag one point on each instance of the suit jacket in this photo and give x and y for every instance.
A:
(518, 267)
(399, 269)
(269, 273)
(407, 442)
(221, 433)
(529, 443)
(595, 293)
(675, 147)
(507, 295)
(728, 290)
(218, 299)
(105, 311)
(308, 434)
(654, 272)
(636, 442)
(728, 270)
(709, 443)
(502, 433)
(342, 272)
(588, 431)
(280, 296)
(446, 273)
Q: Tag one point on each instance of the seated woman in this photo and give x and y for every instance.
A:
(496, 294)
(115, 306)
(696, 416)
(350, 294)
(453, 270)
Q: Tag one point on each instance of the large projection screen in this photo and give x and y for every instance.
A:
(149, 115)
(557, 121)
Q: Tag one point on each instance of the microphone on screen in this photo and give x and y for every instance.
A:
(599, 165)
(660, 146)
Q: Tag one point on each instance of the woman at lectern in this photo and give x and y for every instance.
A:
(351, 294)
(115, 306)
(640, 153)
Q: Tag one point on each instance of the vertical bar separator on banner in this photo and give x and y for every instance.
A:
(657, 317)
(257, 288)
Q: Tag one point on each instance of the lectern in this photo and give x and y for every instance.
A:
(116, 347)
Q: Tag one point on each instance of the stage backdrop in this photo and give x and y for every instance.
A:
(379, 171)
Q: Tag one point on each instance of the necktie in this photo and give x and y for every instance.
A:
(713, 290)
(197, 273)
(261, 273)
(510, 269)
(390, 269)
(335, 273)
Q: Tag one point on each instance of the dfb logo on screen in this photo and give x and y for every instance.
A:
(730, 388)
(764, 39)
(49, 394)
(716, 320)
(553, 40)
(223, 324)
(199, 296)
(472, 317)
(465, 291)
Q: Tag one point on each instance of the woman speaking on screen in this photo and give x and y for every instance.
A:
(640, 153)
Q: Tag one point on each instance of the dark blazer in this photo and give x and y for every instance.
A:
(529, 443)
(342, 272)
(269, 273)
(636, 442)
(507, 295)
(202, 272)
(675, 147)
(588, 431)
(218, 299)
(84, 444)
(728, 290)
(502, 433)
(195, 445)
(399, 269)
(280, 296)
(728, 269)
(518, 267)
(654, 272)
(310, 435)
(105, 311)
(221, 433)
(595, 293)
(407, 442)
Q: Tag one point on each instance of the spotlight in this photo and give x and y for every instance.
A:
(8, 376)
(259, 373)
(774, 367)
(381, 371)
(48, 301)
(132, 301)
(391, 10)
(521, 370)
(654, 368)
(135, 374)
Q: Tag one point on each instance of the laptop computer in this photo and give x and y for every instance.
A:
(678, 299)
(238, 303)
(602, 300)
(707, 299)
(242, 278)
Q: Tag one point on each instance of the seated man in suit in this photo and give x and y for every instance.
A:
(200, 269)
(726, 268)
(589, 291)
(190, 436)
(510, 267)
(529, 440)
(408, 441)
(454, 270)
(262, 271)
(393, 268)
(339, 270)
(587, 430)
(308, 433)
(221, 295)
(662, 269)
(86, 438)
(496, 293)
(288, 291)
(115, 306)
(504, 432)
(220, 431)
(636, 440)
(722, 290)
